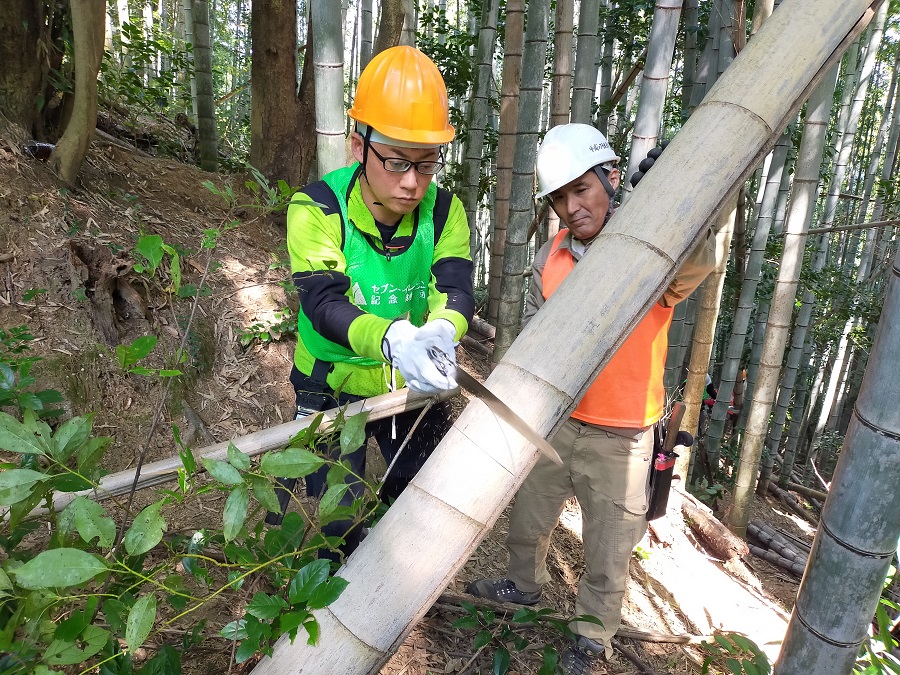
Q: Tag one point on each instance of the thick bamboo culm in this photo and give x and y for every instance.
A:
(258, 442)
(427, 535)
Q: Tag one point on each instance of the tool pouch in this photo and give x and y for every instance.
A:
(660, 477)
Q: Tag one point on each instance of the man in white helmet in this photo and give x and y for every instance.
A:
(607, 443)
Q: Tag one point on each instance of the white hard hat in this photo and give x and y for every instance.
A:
(567, 152)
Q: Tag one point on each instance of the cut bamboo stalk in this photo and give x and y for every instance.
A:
(258, 442)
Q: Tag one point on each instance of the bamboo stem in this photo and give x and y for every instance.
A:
(258, 442)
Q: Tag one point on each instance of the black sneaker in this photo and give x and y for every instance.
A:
(502, 590)
(581, 657)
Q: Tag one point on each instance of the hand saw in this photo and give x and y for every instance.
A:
(498, 407)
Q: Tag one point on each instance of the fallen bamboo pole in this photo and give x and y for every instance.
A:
(258, 442)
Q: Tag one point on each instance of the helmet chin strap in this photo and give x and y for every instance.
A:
(604, 181)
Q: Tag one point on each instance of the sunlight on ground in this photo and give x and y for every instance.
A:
(685, 590)
(251, 291)
(801, 524)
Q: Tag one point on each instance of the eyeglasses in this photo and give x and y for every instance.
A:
(398, 165)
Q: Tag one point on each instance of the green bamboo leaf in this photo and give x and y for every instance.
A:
(734, 666)
(222, 471)
(238, 459)
(17, 437)
(290, 463)
(264, 606)
(140, 621)
(16, 484)
(265, 493)
(326, 593)
(146, 531)
(65, 653)
(91, 521)
(305, 582)
(70, 435)
(353, 434)
(59, 568)
(235, 512)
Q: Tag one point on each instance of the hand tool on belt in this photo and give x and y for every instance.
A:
(664, 457)
(498, 407)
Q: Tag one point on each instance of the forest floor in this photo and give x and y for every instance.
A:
(67, 273)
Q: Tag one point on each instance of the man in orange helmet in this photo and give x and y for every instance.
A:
(382, 267)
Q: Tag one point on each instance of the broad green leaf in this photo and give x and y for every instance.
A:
(326, 593)
(70, 435)
(64, 653)
(734, 666)
(235, 630)
(146, 531)
(264, 606)
(501, 662)
(151, 247)
(89, 453)
(265, 493)
(290, 463)
(305, 582)
(331, 499)
(245, 650)
(17, 437)
(59, 567)
(16, 484)
(130, 354)
(482, 639)
(291, 621)
(140, 621)
(91, 521)
(725, 643)
(235, 512)
(238, 459)
(222, 471)
(312, 628)
(353, 434)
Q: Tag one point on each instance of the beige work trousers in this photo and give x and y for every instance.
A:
(608, 474)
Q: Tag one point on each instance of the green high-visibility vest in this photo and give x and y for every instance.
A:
(388, 283)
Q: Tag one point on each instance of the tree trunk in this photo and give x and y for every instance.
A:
(604, 107)
(521, 207)
(21, 31)
(88, 30)
(587, 61)
(735, 350)
(806, 181)
(704, 332)
(689, 74)
(478, 114)
(860, 522)
(282, 121)
(430, 531)
(563, 43)
(206, 112)
(509, 116)
(328, 75)
(365, 50)
(654, 83)
(390, 26)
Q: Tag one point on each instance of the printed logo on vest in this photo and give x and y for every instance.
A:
(388, 294)
(358, 298)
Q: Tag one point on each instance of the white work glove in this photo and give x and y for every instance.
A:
(425, 357)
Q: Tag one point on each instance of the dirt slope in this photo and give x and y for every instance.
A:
(67, 273)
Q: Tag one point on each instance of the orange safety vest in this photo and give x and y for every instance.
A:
(629, 391)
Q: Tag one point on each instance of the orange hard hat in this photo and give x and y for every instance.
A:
(402, 95)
